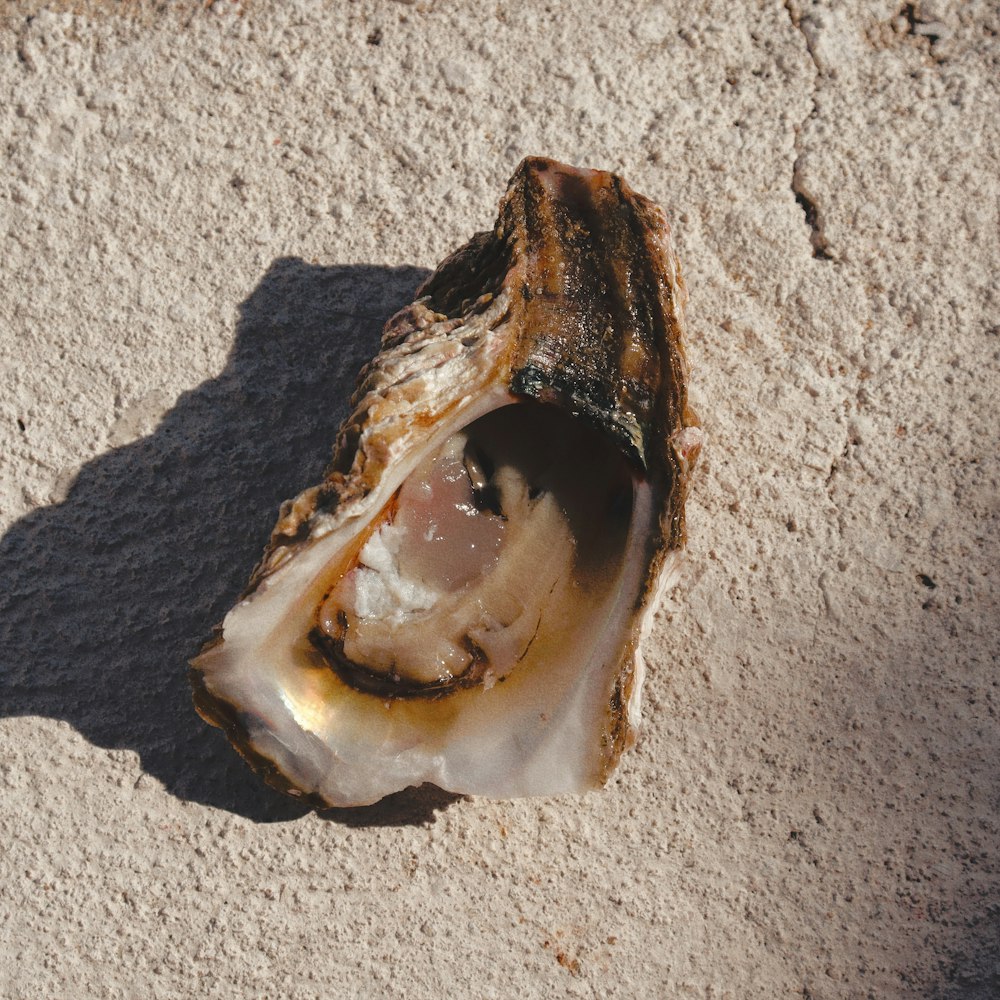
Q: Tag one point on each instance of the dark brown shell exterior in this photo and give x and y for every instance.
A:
(592, 291)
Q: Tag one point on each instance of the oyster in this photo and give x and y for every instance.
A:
(461, 600)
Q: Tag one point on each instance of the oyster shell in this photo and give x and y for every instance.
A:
(461, 600)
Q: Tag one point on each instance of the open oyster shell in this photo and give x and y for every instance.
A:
(461, 600)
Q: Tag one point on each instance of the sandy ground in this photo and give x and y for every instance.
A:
(207, 214)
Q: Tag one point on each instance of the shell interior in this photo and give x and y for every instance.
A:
(482, 584)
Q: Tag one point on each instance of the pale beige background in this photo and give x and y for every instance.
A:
(206, 214)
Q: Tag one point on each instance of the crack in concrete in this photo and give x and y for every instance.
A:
(24, 56)
(920, 27)
(814, 220)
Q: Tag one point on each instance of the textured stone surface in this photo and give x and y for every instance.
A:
(205, 216)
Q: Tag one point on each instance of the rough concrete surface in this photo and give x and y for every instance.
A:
(206, 213)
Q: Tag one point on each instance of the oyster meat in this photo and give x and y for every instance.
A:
(462, 599)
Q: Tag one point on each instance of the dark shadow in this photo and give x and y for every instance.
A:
(104, 597)
(411, 807)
